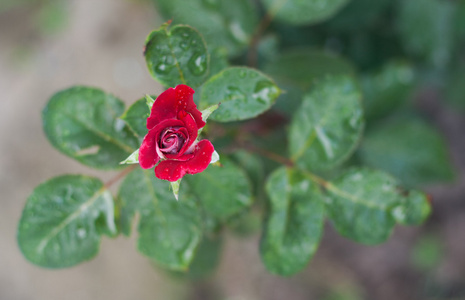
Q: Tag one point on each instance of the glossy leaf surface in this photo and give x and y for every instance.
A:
(223, 191)
(82, 122)
(169, 230)
(364, 205)
(224, 24)
(294, 222)
(328, 126)
(243, 93)
(63, 220)
(177, 56)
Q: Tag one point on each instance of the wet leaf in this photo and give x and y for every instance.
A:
(223, 191)
(82, 122)
(63, 220)
(243, 93)
(328, 126)
(169, 230)
(136, 118)
(224, 24)
(177, 56)
(364, 205)
(294, 222)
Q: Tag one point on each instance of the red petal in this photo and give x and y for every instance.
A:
(172, 170)
(148, 156)
(162, 108)
(170, 102)
(192, 130)
(185, 97)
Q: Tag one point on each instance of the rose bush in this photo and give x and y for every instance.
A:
(171, 142)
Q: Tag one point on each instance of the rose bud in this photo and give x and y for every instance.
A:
(171, 142)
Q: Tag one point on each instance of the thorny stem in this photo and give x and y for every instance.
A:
(118, 176)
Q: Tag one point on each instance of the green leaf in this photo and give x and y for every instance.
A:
(414, 209)
(206, 259)
(243, 93)
(136, 118)
(299, 12)
(254, 168)
(297, 70)
(131, 159)
(82, 122)
(177, 56)
(326, 129)
(62, 223)
(223, 191)
(409, 149)
(169, 230)
(301, 67)
(150, 101)
(224, 24)
(363, 203)
(294, 223)
(387, 89)
(426, 29)
(359, 15)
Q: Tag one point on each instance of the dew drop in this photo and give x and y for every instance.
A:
(165, 65)
(184, 45)
(234, 94)
(242, 74)
(265, 92)
(81, 233)
(198, 64)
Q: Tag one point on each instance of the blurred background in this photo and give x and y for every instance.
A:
(49, 45)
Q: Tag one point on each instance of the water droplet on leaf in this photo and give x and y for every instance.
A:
(234, 94)
(265, 91)
(198, 64)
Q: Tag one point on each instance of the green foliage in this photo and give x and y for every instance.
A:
(363, 205)
(387, 89)
(426, 27)
(63, 220)
(243, 93)
(169, 231)
(293, 224)
(94, 136)
(289, 160)
(177, 56)
(223, 191)
(328, 125)
(298, 12)
(224, 24)
(409, 149)
(136, 117)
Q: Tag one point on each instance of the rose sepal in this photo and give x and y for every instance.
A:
(131, 159)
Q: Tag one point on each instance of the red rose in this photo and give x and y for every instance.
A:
(173, 127)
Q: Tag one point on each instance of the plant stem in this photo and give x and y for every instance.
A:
(118, 176)
(288, 163)
(270, 155)
(252, 54)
